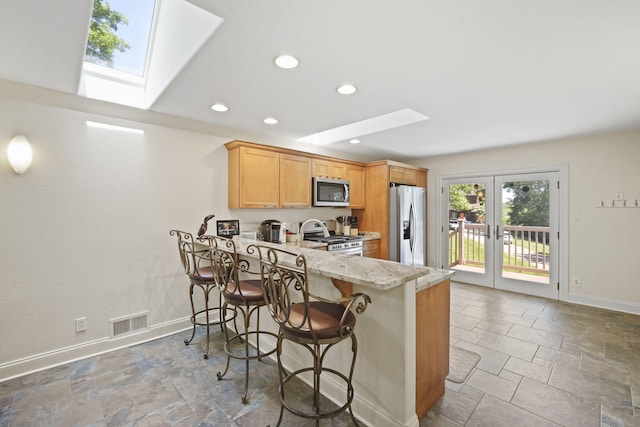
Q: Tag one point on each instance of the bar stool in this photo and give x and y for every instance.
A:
(311, 321)
(196, 260)
(246, 297)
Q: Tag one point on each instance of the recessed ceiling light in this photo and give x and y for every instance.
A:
(219, 107)
(355, 141)
(347, 89)
(286, 61)
(270, 121)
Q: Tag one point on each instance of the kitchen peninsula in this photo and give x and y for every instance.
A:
(403, 336)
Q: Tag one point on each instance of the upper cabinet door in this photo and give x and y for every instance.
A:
(401, 175)
(295, 181)
(259, 178)
(355, 175)
(328, 169)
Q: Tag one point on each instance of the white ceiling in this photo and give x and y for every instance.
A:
(488, 73)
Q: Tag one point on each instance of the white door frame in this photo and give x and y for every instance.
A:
(442, 222)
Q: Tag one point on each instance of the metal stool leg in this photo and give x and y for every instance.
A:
(193, 316)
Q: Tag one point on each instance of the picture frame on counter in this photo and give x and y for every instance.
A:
(228, 228)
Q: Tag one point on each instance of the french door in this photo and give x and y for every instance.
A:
(501, 231)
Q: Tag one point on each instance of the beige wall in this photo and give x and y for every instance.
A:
(603, 243)
(85, 231)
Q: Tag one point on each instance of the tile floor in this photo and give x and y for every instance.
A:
(543, 363)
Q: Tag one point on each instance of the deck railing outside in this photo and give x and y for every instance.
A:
(526, 249)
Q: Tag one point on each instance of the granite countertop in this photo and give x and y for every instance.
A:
(371, 272)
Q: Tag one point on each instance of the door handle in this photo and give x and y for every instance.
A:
(488, 231)
(497, 232)
(411, 228)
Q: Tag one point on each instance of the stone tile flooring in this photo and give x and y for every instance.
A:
(544, 363)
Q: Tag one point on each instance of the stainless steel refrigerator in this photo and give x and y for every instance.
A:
(407, 225)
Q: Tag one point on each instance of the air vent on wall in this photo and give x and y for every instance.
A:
(128, 325)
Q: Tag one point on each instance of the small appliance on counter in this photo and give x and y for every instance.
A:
(273, 231)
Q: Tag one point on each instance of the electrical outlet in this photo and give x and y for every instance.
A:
(81, 324)
(620, 196)
(576, 281)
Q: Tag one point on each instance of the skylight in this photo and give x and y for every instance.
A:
(125, 44)
(395, 119)
(146, 54)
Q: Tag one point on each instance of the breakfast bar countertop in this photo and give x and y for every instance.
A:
(371, 272)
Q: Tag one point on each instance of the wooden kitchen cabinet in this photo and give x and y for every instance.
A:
(356, 178)
(355, 174)
(432, 344)
(371, 248)
(262, 176)
(328, 169)
(400, 175)
(265, 178)
(254, 178)
(295, 181)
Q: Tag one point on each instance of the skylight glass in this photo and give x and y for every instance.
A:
(120, 33)
(118, 66)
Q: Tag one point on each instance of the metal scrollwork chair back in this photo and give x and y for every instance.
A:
(196, 261)
(244, 298)
(307, 319)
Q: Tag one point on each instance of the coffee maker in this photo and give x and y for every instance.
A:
(273, 231)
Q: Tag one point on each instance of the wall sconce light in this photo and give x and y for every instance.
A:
(19, 154)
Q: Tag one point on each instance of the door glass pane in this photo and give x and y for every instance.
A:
(467, 226)
(525, 231)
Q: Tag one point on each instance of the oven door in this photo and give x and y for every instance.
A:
(357, 251)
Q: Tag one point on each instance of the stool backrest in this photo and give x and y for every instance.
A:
(284, 277)
(224, 259)
(227, 266)
(194, 256)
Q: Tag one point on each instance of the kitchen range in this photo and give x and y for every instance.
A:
(314, 230)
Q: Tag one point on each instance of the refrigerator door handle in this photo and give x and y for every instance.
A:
(411, 227)
(414, 220)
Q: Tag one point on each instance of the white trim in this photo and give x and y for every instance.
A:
(605, 303)
(62, 356)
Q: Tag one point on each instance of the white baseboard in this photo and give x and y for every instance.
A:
(607, 303)
(61, 356)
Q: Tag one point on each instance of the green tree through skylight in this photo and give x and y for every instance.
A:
(103, 41)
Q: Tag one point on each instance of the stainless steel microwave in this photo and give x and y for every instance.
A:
(330, 192)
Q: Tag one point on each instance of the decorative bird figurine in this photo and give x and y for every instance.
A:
(203, 227)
